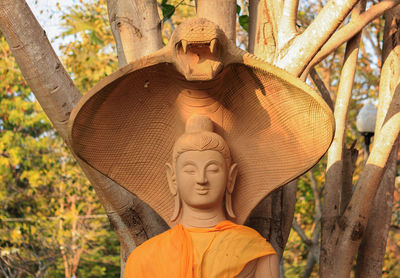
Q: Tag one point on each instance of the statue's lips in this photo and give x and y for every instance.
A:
(202, 190)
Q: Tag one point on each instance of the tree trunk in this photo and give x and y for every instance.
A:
(221, 12)
(272, 215)
(334, 176)
(261, 30)
(136, 27)
(372, 251)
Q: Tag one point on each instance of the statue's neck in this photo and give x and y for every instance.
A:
(201, 218)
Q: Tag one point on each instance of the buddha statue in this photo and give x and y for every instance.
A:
(126, 127)
(204, 243)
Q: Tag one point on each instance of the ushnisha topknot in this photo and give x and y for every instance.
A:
(199, 136)
(199, 123)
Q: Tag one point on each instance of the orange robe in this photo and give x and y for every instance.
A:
(219, 252)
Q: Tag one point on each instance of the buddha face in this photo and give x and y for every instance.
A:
(201, 178)
(202, 173)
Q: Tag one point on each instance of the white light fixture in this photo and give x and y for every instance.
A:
(365, 122)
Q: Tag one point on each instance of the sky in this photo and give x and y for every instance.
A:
(49, 17)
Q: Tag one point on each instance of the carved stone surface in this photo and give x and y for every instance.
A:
(276, 126)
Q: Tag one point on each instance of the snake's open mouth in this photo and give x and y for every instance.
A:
(199, 60)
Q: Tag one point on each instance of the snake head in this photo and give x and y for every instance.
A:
(198, 49)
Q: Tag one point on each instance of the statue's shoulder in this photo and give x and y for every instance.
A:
(241, 231)
(240, 238)
(151, 246)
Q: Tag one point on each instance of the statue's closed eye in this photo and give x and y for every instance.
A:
(191, 170)
(212, 168)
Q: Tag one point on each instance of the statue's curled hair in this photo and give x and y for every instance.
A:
(199, 136)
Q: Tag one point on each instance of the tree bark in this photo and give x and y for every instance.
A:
(372, 251)
(261, 30)
(348, 31)
(221, 12)
(350, 156)
(273, 216)
(136, 27)
(303, 47)
(334, 176)
(350, 228)
(319, 83)
(287, 24)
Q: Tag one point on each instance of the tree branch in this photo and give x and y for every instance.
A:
(136, 27)
(376, 47)
(334, 175)
(305, 46)
(351, 226)
(350, 156)
(309, 265)
(38, 62)
(275, 11)
(371, 253)
(301, 232)
(349, 30)
(262, 35)
(321, 88)
(287, 24)
(221, 12)
(317, 197)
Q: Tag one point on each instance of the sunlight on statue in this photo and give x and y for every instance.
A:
(204, 243)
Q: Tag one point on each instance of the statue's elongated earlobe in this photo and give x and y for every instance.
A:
(228, 205)
(233, 170)
(171, 179)
(174, 191)
(177, 208)
(229, 189)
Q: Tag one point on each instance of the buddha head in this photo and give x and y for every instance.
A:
(202, 175)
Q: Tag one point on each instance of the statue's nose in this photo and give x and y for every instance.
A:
(202, 178)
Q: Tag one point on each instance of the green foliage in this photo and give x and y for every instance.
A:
(243, 18)
(167, 10)
(182, 9)
(24, 152)
(238, 9)
(89, 54)
(244, 22)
